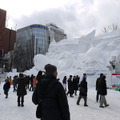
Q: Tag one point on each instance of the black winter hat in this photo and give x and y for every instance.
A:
(50, 69)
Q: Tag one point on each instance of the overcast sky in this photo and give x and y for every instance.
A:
(76, 17)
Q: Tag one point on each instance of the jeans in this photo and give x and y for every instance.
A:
(97, 96)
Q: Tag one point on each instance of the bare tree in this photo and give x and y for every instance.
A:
(23, 54)
(111, 28)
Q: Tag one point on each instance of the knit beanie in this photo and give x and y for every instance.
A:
(50, 69)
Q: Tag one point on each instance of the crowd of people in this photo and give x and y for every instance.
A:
(50, 95)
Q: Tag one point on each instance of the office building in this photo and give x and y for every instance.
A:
(56, 33)
(37, 35)
(7, 37)
(32, 40)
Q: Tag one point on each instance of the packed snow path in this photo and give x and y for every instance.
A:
(10, 111)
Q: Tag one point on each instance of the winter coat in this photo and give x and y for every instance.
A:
(70, 86)
(75, 83)
(39, 77)
(102, 86)
(83, 88)
(31, 81)
(21, 90)
(14, 81)
(34, 82)
(6, 86)
(97, 84)
(64, 81)
(54, 102)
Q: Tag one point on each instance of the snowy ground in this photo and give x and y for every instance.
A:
(10, 111)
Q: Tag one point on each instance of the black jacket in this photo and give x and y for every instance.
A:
(97, 83)
(70, 86)
(21, 90)
(83, 88)
(6, 86)
(102, 86)
(54, 100)
(75, 83)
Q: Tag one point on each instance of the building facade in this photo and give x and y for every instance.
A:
(37, 34)
(56, 33)
(32, 40)
(7, 37)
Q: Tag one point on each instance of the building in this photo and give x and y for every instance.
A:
(40, 35)
(37, 34)
(7, 37)
(32, 40)
(56, 33)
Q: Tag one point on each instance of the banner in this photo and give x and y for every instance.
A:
(96, 73)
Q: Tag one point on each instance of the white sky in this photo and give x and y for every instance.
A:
(16, 8)
(76, 17)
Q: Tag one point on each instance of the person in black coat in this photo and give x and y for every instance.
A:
(103, 91)
(70, 86)
(97, 88)
(6, 88)
(40, 75)
(83, 91)
(52, 96)
(75, 84)
(21, 90)
(27, 81)
(31, 82)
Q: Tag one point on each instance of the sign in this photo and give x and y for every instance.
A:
(96, 73)
(116, 79)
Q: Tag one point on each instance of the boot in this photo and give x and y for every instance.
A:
(101, 106)
(71, 96)
(85, 102)
(22, 105)
(79, 98)
(77, 103)
(85, 105)
(18, 104)
(106, 105)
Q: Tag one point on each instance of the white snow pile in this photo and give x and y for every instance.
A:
(75, 56)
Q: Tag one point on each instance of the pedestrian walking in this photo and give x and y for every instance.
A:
(34, 83)
(75, 84)
(21, 90)
(65, 83)
(70, 86)
(103, 91)
(40, 75)
(6, 87)
(14, 83)
(83, 91)
(31, 83)
(97, 89)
